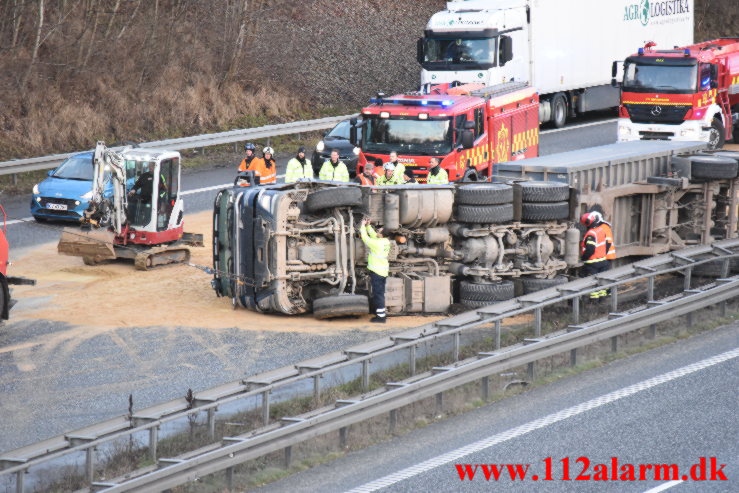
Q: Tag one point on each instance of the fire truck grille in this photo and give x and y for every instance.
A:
(651, 113)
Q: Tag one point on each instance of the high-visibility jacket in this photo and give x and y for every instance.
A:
(399, 168)
(395, 179)
(379, 251)
(363, 179)
(334, 173)
(297, 170)
(610, 246)
(245, 163)
(593, 246)
(266, 175)
(440, 178)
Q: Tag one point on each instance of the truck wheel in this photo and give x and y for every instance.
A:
(485, 214)
(544, 191)
(343, 305)
(713, 167)
(545, 211)
(475, 294)
(716, 136)
(532, 284)
(334, 197)
(559, 110)
(485, 194)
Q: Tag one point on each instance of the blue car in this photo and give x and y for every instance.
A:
(66, 193)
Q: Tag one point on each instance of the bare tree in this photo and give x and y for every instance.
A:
(36, 43)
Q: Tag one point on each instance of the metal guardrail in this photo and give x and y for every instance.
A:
(274, 436)
(195, 142)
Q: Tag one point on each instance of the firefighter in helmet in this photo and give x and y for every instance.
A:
(597, 248)
(249, 148)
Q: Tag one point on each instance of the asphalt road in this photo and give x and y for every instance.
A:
(55, 378)
(687, 416)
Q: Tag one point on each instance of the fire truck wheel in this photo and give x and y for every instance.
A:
(713, 167)
(545, 211)
(716, 137)
(343, 305)
(485, 194)
(334, 197)
(544, 191)
(531, 284)
(485, 214)
(476, 294)
(559, 110)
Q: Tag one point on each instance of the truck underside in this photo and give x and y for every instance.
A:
(294, 249)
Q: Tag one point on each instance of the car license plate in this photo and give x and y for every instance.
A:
(57, 207)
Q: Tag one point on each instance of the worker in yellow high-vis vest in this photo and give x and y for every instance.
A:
(378, 266)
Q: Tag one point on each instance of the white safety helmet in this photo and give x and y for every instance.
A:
(268, 150)
(389, 166)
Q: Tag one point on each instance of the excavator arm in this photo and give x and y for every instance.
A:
(107, 211)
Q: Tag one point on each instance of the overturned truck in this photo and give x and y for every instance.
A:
(294, 248)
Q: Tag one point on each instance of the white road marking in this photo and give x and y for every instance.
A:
(490, 441)
(186, 192)
(665, 486)
(574, 127)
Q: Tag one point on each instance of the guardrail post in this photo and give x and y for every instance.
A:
(689, 319)
(614, 299)
(412, 359)
(653, 331)
(14, 178)
(722, 309)
(537, 322)
(265, 407)
(531, 371)
(212, 423)
(316, 387)
(439, 403)
(650, 288)
(19, 481)
(393, 420)
(497, 334)
(230, 478)
(288, 456)
(365, 375)
(576, 310)
(456, 346)
(485, 388)
(343, 437)
(90, 464)
(688, 275)
(153, 439)
(614, 344)
(573, 357)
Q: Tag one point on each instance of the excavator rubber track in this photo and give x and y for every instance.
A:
(162, 255)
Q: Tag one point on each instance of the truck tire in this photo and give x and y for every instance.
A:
(717, 135)
(343, 305)
(559, 110)
(485, 214)
(475, 294)
(713, 167)
(532, 284)
(545, 211)
(485, 194)
(544, 191)
(334, 197)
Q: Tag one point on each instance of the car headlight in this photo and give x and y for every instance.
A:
(86, 196)
(35, 189)
(320, 146)
(356, 151)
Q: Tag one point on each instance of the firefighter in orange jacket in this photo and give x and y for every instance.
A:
(597, 249)
(249, 148)
(264, 167)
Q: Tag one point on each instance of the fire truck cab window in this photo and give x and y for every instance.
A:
(479, 122)
(664, 78)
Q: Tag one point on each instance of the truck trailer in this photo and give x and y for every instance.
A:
(562, 47)
(293, 248)
(687, 93)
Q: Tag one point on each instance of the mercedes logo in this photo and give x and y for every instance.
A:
(656, 111)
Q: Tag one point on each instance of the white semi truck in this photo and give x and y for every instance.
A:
(564, 48)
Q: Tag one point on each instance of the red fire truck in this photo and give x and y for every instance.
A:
(5, 301)
(469, 127)
(689, 93)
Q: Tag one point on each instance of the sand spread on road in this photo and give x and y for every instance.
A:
(117, 295)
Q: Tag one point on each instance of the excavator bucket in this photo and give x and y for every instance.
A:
(93, 246)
